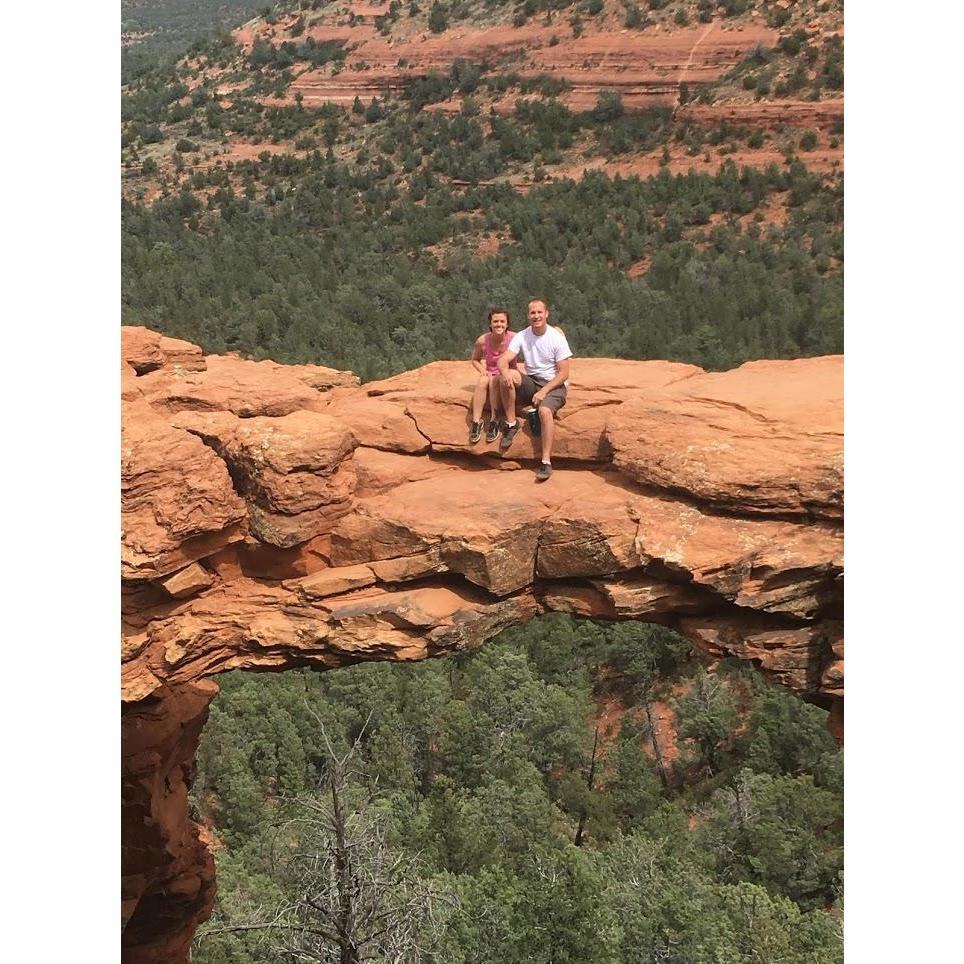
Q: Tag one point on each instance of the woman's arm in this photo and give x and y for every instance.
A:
(478, 355)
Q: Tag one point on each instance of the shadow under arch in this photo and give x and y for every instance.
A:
(168, 872)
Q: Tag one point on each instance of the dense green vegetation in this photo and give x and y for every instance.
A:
(156, 28)
(334, 269)
(357, 245)
(800, 66)
(519, 829)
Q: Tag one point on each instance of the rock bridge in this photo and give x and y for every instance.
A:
(279, 516)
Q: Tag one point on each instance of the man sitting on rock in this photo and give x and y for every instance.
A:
(543, 386)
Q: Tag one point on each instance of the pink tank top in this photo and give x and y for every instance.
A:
(492, 354)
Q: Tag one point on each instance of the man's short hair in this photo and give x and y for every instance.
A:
(499, 311)
(541, 301)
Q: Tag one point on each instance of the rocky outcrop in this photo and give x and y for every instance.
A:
(644, 67)
(822, 115)
(278, 516)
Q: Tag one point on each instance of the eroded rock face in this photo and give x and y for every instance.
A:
(643, 67)
(160, 737)
(763, 439)
(281, 516)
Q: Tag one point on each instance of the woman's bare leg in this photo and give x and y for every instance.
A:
(508, 395)
(495, 398)
(478, 398)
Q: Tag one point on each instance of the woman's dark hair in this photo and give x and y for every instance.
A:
(499, 311)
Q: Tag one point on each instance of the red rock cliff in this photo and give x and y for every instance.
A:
(285, 516)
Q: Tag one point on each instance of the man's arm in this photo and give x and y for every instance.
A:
(561, 375)
(505, 359)
(478, 355)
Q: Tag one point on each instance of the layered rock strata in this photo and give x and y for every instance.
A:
(279, 516)
(643, 67)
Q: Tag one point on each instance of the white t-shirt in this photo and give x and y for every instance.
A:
(542, 353)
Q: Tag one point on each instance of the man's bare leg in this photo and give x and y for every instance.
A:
(546, 421)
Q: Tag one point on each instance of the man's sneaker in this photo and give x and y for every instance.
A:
(543, 472)
(508, 434)
(532, 417)
(495, 430)
(475, 433)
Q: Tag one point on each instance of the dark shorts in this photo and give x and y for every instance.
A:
(529, 386)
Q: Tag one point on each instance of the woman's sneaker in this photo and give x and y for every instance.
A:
(543, 472)
(475, 433)
(495, 430)
(508, 434)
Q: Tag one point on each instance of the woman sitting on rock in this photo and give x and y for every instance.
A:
(485, 360)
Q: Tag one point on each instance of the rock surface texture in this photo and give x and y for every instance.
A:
(279, 516)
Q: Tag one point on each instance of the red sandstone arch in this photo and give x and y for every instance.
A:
(278, 516)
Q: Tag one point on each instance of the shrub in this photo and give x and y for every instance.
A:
(262, 54)
(151, 134)
(634, 17)
(778, 18)
(758, 55)
(808, 141)
(833, 75)
(185, 146)
(797, 79)
(791, 43)
(438, 18)
(609, 106)
(465, 75)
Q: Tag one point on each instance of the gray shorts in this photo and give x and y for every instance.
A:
(529, 386)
